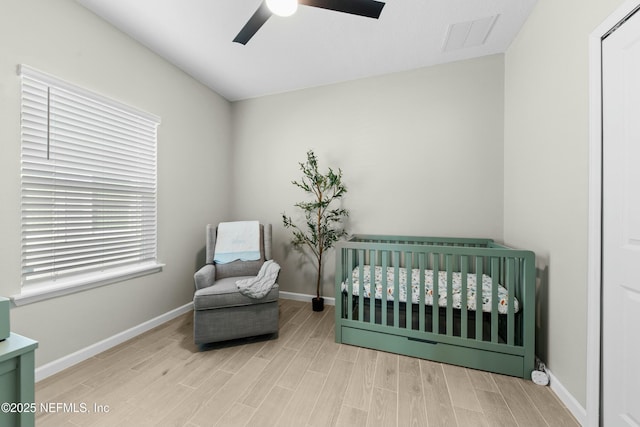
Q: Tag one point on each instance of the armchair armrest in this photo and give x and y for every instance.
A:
(205, 277)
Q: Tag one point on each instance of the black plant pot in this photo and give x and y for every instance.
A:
(317, 304)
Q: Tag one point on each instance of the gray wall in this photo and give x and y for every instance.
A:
(64, 39)
(546, 171)
(421, 153)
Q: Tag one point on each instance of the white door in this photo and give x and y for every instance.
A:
(621, 225)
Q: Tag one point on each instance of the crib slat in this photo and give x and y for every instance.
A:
(372, 286)
(449, 318)
(510, 285)
(396, 289)
(383, 292)
(464, 311)
(435, 311)
(408, 260)
(517, 294)
(422, 300)
(479, 315)
(350, 284)
(361, 263)
(495, 274)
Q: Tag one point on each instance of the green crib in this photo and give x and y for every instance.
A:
(467, 302)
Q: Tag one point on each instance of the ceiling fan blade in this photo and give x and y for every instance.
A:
(253, 24)
(367, 8)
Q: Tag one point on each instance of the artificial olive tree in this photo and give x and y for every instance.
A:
(323, 225)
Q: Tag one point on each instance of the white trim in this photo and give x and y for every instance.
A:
(34, 293)
(594, 285)
(305, 297)
(72, 359)
(567, 399)
(594, 231)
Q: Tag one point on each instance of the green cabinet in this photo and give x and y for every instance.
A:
(17, 381)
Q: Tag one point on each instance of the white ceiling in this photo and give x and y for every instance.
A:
(314, 47)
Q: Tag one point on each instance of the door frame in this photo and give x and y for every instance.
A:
(594, 273)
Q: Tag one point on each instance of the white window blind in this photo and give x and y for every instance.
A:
(89, 183)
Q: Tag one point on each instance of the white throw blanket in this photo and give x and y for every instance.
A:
(259, 286)
(237, 240)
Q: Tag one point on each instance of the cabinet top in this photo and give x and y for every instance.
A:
(16, 345)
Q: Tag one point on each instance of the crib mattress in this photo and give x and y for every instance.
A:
(502, 297)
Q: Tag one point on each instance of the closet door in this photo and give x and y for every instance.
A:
(621, 226)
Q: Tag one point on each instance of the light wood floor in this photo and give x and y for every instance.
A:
(301, 378)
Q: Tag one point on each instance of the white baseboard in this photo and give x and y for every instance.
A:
(65, 362)
(579, 412)
(305, 297)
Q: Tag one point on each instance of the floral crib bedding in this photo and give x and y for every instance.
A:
(503, 298)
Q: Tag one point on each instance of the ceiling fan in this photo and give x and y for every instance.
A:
(366, 8)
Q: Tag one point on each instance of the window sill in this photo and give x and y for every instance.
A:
(34, 293)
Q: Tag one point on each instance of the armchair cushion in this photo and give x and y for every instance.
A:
(225, 294)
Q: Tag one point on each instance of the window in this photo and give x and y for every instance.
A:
(88, 176)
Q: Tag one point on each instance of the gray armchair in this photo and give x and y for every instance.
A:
(221, 312)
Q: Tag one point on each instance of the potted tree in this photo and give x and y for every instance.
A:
(323, 221)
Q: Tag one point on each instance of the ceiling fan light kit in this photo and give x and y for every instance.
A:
(366, 8)
(282, 7)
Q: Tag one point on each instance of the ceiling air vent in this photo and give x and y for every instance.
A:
(469, 34)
